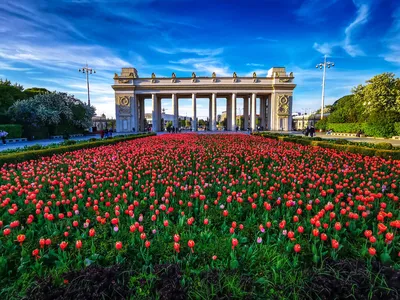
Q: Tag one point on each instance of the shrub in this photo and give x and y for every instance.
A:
(341, 142)
(14, 130)
(35, 147)
(381, 130)
(92, 139)
(397, 128)
(68, 142)
(384, 146)
(322, 124)
(345, 127)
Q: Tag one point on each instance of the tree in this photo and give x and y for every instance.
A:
(202, 123)
(187, 123)
(9, 94)
(381, 94)
(52, 109)
(168, 125)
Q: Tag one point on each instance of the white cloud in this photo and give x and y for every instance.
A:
(325, 48)
(348, 44)
(361, 18)
(197, 51)
(254, 65)
(310, 10)
(392, 40)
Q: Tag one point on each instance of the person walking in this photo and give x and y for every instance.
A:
(3, 135)
(102, 134)
(110, 132)
(312, 131)
(307, 131)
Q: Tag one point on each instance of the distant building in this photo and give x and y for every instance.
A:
(166, 118)
(300, 122)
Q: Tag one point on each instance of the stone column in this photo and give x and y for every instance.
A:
(142, 114)
(289, 127)
(253, 111)
(262, 111)
(194, 113)
(155, 120)
(246, 112)
(268, 123)
(233, 113)
(209, 114)
(273, 113)
(228, 113)
(159, 112)
(117, 117)
(134, 113)
(175, 123)
(214, 112)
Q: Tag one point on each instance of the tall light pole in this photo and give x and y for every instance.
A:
(88, 71)
(324, 65)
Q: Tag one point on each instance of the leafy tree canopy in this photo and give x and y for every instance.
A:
(52, 109)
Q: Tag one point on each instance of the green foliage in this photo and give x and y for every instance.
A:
(9, 94)
(14, 131)
(375, 105)
(345, 127)
(396, 126)
(31, 92)
(52, 109)
(36, 154)
(381, 94)
(168, 125)
(385, 150)
(384, 146)
(322, 124)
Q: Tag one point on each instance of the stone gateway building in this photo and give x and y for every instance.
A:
(275, 94)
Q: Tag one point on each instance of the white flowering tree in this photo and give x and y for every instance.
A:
(52, 109)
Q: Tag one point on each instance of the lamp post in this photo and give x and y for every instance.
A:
(324, 65)
(88, 71)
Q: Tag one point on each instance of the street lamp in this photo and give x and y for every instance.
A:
(88, 71)
(320, 66)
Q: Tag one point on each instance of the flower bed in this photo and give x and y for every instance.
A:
(385, 150)
(13, 156)
(203, 216)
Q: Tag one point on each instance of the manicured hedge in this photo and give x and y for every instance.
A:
(378, 151)
(14, 130)
(397, 128)
(13, 158)
(345, 127)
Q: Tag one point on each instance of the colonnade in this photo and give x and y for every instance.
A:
(266, 115)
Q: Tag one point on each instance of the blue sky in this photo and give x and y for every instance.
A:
(44, 43)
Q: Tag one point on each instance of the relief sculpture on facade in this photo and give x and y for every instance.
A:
(283, 105)
(124, 107)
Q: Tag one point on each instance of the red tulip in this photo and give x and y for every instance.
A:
(78, 244)
(177, 247)
(63, 245)
(191, 245)
(234, 243)
(21, 238)
(118, 245)
(335, 244)
(177, 238)
(147, 244)
(297, 248)
(372, 251)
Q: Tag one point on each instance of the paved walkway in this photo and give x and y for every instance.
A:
(50, 141)
(395, 143)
